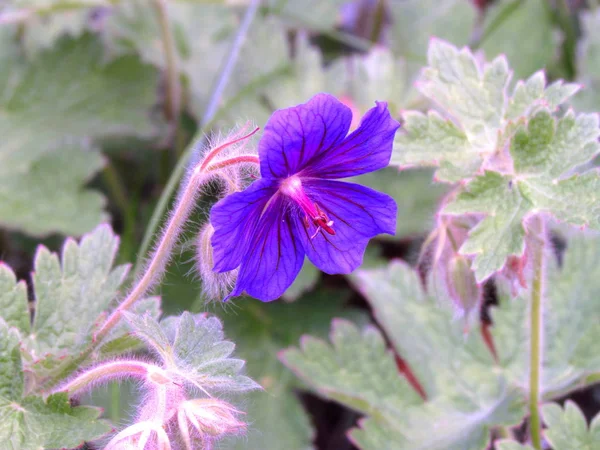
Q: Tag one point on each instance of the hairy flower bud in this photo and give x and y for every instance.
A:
(464, 290)
(215, 285)
(210, 419)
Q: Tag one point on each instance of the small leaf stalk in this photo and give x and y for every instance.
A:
(535, 318)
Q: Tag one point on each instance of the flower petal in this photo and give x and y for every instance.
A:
(234, 219)
(358, 214)
(274, 257)
(293, 137)
(366, 149)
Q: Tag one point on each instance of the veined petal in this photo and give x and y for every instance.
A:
(274, 256)
(366, 149)
(358, 214)
(234, 219)
(293, 137)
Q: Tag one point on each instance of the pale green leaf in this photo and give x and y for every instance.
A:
(483, 116)
(543, 151)
(466, 393)
(533, 93)
(527, 48)
(357, 370)
(14, 307)
(34, 424)
(194, 347)
(415, 21)
(588, 62)
(473, 94)
(512, 445)
(50, 110)
(568, 430)
(261, 331)
(501, 233)
(11, 368)
(430, 140)
(71, 293)
(550, 148)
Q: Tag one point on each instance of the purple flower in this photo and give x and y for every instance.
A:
(297, 208)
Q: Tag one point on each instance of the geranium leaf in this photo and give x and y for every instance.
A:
(47, 120)
(567, 428)
(193, 346)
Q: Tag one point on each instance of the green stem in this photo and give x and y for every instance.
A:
(535, 356)
(173, 97)
(163, 201)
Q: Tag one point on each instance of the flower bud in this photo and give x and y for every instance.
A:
(462, 285)
(210, 419)
(215, 285)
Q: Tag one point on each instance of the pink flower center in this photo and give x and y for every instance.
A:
(292, 187)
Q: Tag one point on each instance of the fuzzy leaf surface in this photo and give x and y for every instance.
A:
(567, 428)
(544, 152)
(261, 331)
(47, 121)
(466, 394)
(193, 347)
(479, 114)
(32, 423)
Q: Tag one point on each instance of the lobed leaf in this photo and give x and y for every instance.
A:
(193, 346)
(48, 120)
(568, 430)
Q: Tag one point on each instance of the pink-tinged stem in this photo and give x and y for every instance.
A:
(107, 372)
(161, 255)
(214, 152)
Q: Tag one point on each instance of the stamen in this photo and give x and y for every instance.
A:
(292, 187)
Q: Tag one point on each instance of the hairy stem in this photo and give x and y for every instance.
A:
(162, 253)
(209, 114)
(535, 356)
(173, 85)
(105, 373)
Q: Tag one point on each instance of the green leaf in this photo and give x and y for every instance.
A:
(357, 370)
(527, 48)
(261, 331)
(14, 306)
(71, 293)
(466, 392)
(501, 233)
(11, 368)
(48, 119)
(415, 21)
(484, 116)
(512, 445)
(194, 347)
(33, 424)
(430, 140)
(543, 151)
(568, 430)
(70, 296)
(588, 62)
